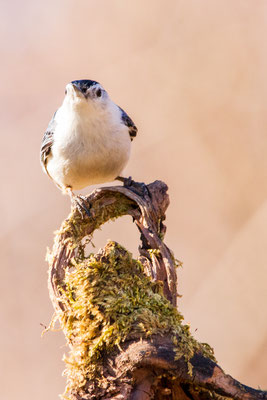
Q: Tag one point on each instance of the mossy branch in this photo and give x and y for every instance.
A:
(119, 315)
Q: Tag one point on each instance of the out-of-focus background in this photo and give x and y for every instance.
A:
(192, 75)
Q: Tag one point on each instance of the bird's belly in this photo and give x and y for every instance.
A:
(89, 164)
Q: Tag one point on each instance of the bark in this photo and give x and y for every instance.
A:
(143, 368)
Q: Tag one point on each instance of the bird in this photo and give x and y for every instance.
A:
(88, 140)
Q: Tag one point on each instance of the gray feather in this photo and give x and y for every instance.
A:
(129, 123)
(47, 142)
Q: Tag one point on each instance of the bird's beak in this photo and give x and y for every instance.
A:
(74, 92)
(77, 89)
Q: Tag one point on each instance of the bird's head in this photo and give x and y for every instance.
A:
(85, 92)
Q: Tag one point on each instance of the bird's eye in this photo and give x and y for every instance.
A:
(65, 91)
(99, 92)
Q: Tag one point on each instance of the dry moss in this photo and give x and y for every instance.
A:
(109, 299)
(76, 226)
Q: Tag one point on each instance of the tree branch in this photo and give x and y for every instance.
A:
(156, 357)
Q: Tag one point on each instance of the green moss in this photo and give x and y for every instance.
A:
(109, 299)
(76, 227)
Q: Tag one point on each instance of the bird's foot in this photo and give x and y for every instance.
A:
(80, 202)
(136, 187)
(126, 181)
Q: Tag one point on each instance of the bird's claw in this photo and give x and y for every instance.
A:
(81, 204)
(126, 181)
(136, 187)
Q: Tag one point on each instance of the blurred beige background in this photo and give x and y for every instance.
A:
(192, 75)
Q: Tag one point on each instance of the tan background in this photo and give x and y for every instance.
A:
(192, 75)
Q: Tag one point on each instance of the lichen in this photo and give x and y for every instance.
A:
(109, 299)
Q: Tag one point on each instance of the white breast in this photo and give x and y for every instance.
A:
(91, 145)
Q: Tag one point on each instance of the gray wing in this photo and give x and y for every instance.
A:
(47, 143)
(129, 123)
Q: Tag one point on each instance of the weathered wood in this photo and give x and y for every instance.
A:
(142, 369)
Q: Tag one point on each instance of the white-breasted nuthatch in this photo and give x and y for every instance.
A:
(88, 139)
